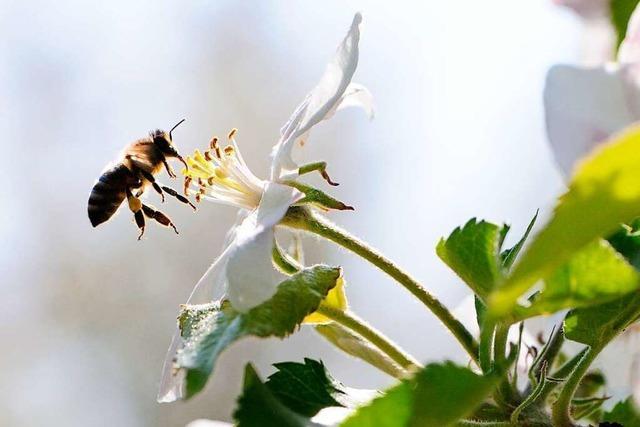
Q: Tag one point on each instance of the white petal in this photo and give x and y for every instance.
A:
(635, 379)
(251, 277)
(588, 9)
(356, 95)
(321, 102)
(171, 384)
(629, 52)
(584, 106)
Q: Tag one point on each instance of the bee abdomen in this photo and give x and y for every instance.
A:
(107, 194)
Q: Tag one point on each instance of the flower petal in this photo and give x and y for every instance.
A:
(588, 9)
(322, 101)
(584, 106)
(171, 383)
(251, 277)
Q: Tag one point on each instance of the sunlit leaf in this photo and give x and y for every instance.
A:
(472, 252)
(594, 275)
(603, 193)
(595, 326)
(438, 395)
(208, 329)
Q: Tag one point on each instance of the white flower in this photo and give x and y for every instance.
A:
(587, 9)
(584, 106)
(245, 267)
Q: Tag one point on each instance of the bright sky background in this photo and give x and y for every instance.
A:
(86, 315)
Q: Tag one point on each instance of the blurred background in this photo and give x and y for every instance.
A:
(86, 314)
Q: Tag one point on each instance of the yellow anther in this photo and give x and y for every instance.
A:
(228, 150)
(211, 180)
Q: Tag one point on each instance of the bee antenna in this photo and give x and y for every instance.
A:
(172, 129)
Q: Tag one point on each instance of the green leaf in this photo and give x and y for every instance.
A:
(603, 193)
(621, 11)
(509, 256)
(208, 329)
(356, 346)
(445, 393)
(307, 387)
(595, 326)
(394, 409)
(258, 407)
(596, 274)
(438, 395)
(624, 413)
(626, 240)
(472, 252)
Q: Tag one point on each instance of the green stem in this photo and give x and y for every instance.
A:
(303, 219)
(349, 320)
(471, 423)
(563, 372)
(561, 408)
(359, 326)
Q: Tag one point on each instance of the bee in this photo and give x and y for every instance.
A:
(140, 161)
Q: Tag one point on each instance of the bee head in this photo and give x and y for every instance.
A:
(164, 142)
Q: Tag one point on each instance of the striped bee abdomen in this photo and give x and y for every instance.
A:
(108, 193)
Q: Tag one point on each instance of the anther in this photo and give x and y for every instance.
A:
(232, 133)
(214, 146)
(228, 150)
(207, 155)
(210, 180)
(198, 197)
(187, 182)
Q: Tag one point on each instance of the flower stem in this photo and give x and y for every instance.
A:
(561, 408)
(359, 326)
(303, 219)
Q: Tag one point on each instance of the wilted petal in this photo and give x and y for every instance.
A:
(321, 102)
(584, 106)
(251, 277)
(171, 384)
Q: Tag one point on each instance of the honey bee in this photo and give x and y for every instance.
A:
(140, 161)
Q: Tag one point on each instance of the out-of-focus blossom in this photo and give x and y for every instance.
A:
(208, 423)
(245, 268)
(587, 9)
(584, 106)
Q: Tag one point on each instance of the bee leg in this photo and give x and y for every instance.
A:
(170, 171)
(140, 221)
(149, 177)
(158, 216)
(135, 205)
(170, 191)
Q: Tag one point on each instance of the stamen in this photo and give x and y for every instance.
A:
(198, 197)
(214, 146)
(232, 133)
(207, 155)
(211, 180)
(228, 150)
(187, 183)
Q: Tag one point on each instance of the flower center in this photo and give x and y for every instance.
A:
(221, 175)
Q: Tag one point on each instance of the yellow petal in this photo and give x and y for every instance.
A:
(336, 298)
